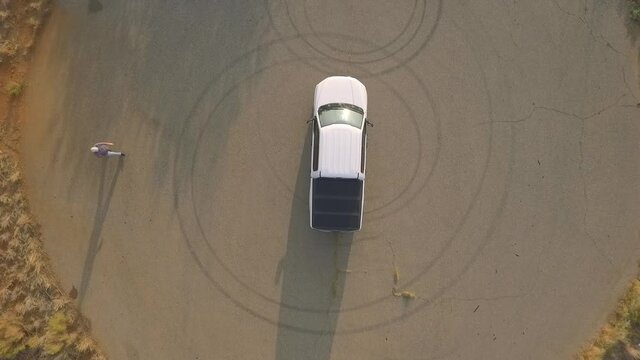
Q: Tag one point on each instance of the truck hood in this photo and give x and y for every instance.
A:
(340, 89)
(340, 148)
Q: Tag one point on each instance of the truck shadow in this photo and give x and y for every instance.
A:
(312, 274)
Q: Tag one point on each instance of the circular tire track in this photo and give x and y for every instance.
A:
(379, 59)
(195, 213)
(418, 11)
(419, 117)
(183, 185)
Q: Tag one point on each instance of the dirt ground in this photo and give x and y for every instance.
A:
(38, 318)
(503, 184)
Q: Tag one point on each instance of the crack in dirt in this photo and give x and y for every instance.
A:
(582, 120)
(626, 84)
(489, 298)
(561, 112)
(585, 227)
(587, 25)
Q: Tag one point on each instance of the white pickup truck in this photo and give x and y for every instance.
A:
(338, 154)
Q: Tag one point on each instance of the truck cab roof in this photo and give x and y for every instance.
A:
(340, 151)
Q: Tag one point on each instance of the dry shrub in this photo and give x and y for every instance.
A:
(6, 200)
(591, 352)
(405, 294)
(629, 306)
(8, 49)
(59, 333)
(5, 220)
(608, 336)
(43, 320)
(12, 336)
(60, 303)
(37, 318)
(34, 22)
(622, 331)
(635, 353)
(36, 6)
(85, 344)
(634, 10)
(14, 89)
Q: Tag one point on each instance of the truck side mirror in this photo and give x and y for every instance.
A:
(311, 120)
(368, 123)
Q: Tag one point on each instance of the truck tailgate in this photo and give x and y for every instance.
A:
(336, 204)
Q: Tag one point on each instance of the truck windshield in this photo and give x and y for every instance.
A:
(340, 114)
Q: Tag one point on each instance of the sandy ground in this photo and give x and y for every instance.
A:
(503, 176)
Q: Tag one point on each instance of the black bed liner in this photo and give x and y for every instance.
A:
(336, 204)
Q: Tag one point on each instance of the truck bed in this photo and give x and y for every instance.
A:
(336, 204)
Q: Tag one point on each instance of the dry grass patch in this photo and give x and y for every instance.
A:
(634, 10)
(38, 318)
(620, 337)
(405, 294)
(14, 89)
(20, 22)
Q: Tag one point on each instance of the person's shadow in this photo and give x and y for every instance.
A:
(312, 273)
(102, 208)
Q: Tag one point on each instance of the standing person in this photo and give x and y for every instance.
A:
(101, 149)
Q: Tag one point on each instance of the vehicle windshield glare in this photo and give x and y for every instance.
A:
(340, 114)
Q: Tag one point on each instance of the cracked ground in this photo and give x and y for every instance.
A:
(502, 185)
